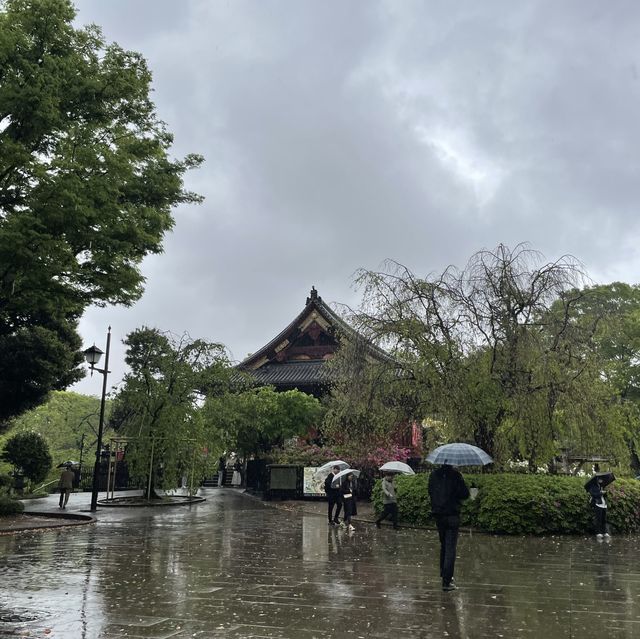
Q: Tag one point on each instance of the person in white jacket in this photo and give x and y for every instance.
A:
(389, 501)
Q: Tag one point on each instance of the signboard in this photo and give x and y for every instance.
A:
(312, 487)
(283, 478)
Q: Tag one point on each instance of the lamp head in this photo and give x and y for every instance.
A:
(92, 355)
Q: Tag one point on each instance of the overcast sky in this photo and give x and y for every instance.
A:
(338, 134)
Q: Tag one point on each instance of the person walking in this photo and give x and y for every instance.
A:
(65, 485)
(389, 501)
(222, 464)
(348, 501)
(333, 497)
(447, 490)
(599, 505)
(236, 478)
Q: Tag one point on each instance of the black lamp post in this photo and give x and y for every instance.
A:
(92, 355)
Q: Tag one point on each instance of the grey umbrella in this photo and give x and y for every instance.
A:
(459, 455)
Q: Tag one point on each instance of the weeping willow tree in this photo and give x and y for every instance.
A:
(159, 407)
(493, 351)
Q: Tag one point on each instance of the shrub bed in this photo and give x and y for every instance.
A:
(516, 504)
(9, 506)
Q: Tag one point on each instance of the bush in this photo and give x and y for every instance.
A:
(29, 453)
(517, 504)
(9, 506)
(6, 481)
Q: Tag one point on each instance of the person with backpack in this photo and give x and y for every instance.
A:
(333, 497)
(447, 490)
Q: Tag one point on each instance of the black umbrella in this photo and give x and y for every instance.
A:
(68, 463)
(599, 479)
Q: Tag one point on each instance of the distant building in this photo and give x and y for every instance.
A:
(297, 357)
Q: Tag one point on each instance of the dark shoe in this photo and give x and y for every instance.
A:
(377, 524)
(449, 587)
(336, 522)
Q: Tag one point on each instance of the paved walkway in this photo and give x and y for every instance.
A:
(235, 567)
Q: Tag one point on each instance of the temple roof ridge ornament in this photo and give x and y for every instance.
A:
(313, 296)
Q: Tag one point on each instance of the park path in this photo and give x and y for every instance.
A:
(233, 567)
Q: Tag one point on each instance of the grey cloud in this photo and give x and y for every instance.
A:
(339, 134)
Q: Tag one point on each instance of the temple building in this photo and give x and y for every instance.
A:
(297, 356)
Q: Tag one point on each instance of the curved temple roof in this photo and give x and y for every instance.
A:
(295, 358)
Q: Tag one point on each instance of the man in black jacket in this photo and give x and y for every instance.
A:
(447, 490)
(333, 497)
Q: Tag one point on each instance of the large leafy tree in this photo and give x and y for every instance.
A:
(255, 420)
(86, 189)
(67, 421)
(493, 350)
(158, 407)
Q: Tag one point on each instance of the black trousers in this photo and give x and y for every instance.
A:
(334, 502)
(64, 496)
(600, 515)
(448, 527)
(391, 511)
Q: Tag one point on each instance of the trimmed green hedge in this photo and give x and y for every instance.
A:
(516, 504)
(10, 506)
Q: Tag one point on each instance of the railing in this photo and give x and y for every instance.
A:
(35, 490)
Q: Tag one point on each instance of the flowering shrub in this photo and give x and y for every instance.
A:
(366, 460)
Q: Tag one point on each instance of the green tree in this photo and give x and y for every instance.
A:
(255, 420)
(493, 349)
(29, 454)
(159, 404)
(68, 422)
(86, 189)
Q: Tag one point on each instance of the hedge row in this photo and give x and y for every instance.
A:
(523, 504)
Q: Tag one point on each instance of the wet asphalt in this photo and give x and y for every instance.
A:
(233, 566)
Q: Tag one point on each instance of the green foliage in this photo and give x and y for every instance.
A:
(86, 189)
(508, 353)
(68, 422)
(158, 406)
(9, 507)
(6, 481)
(522, 504)
(29, 453)
(256, 420)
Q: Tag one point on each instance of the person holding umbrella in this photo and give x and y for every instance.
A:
(389, 501)
(596, 488)
(66, 484)
(333, 497)
(447, 491)
(344, 481)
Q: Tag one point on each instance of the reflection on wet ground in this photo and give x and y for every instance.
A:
(234, 567)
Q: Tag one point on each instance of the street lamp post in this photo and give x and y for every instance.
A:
(92, 356)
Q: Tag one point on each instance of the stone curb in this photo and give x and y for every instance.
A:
(73, 519)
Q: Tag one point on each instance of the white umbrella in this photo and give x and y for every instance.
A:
(325, 469)
(343, 473)
(397, 467)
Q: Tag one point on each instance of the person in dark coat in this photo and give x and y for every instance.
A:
(447, 490)
(222, 464)
(348, 501)
(333, 497)
(599, 505)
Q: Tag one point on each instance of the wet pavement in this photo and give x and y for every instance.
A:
(234, 567)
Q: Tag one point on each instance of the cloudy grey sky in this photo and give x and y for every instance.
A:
(338, 134)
